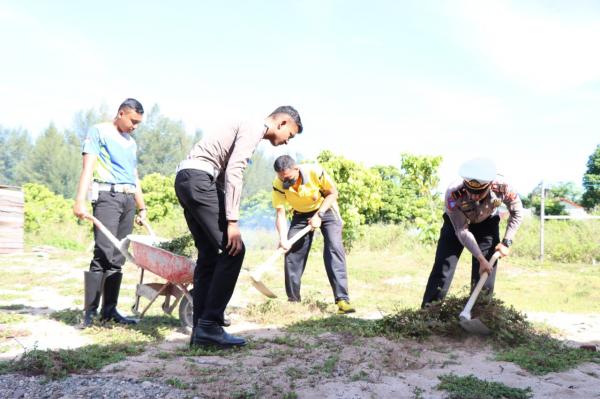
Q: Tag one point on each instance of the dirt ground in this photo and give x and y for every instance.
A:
(330, 365)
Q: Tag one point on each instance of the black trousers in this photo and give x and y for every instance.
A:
(116, 211)
(448, 252)
(334, 255)
(216, 271)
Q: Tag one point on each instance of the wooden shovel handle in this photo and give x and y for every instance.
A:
(280, 251)
(478, 287)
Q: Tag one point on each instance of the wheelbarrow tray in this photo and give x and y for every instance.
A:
(176, 269)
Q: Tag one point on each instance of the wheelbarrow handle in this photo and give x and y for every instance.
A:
(466, 313)
(146, 224)
(120, 245)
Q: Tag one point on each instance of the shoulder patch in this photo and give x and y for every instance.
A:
(500, 188)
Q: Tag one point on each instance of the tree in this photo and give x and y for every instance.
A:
(359, 192)
(259, 175)
(409, 194)
(552, 204)
(591, 181)
(15, 144)
(54, 161)
(162, 144)
(84, 119)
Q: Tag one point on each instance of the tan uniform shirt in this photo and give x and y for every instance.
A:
(463, 211)
(229, 152)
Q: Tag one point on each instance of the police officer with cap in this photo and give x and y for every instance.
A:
(471, 220)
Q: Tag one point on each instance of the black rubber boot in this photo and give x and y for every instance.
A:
(112, 285)
(92, 286)
(210, 333)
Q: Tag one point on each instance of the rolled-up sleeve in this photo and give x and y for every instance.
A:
(515, 209)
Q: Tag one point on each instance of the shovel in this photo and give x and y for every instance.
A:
(476, 326)
(255, 276)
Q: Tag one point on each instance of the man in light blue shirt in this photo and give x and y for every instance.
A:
(110, 180)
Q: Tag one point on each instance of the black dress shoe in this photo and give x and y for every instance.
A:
(210, 333)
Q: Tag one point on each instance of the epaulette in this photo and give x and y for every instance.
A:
(500, 188)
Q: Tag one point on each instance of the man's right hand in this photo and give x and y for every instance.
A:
(80, 210)
(484, 266)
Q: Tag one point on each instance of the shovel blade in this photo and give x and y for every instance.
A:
(262, 288)
(475, 326)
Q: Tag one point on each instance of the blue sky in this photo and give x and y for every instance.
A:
(515, 81)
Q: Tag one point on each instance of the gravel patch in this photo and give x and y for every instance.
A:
(15, 386)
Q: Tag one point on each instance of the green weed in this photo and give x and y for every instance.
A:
(544, 354)
(177, 383)
(56, 364)
(471, 387)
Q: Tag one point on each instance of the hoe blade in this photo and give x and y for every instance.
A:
(475, 326)
(262, 288)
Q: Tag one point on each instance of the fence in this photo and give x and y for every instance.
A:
(543, 217)
(11, 219)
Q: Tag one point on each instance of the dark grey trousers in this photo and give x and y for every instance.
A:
(116, 212)
(448, 252)
(334, 255)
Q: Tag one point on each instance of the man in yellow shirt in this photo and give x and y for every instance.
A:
(312, 195)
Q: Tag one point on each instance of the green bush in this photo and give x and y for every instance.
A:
(159, 197)
(43, 207)
(567, 241)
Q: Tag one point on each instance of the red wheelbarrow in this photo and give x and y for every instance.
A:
(176, 269)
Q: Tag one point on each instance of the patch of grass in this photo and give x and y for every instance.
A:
(294, 373)
(206, 351)
(471, 387)
(11, 318)
(544, 354)
(70, 317)
(354, 326)
(360, 376)
(16, 306)
(177, 383)
(290, 395)
(55, 364)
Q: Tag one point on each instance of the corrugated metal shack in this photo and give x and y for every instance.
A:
(12, 219)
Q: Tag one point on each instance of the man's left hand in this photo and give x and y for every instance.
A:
(503, 249)
(141, 217)
(315, 221)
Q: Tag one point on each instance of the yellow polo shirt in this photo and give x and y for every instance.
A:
(308, 197)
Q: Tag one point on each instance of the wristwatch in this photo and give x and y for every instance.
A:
(507, 243)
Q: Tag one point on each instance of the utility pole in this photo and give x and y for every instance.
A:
(542, 216)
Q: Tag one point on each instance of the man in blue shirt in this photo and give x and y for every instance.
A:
(110, 180)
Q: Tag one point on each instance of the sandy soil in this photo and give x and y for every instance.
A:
(324, 366)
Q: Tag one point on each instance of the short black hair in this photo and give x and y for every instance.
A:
(291, 111)
(284, 162)
(133, 104)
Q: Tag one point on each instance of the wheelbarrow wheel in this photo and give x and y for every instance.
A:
(186, 311)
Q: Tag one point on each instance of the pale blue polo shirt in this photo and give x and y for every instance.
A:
(116, 152)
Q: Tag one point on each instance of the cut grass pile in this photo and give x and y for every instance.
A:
(515, 338)
(471, 387)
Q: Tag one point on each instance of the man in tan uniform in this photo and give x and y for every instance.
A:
(471, 220)
(209, 186)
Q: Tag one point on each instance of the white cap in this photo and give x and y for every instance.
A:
(478, 170)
